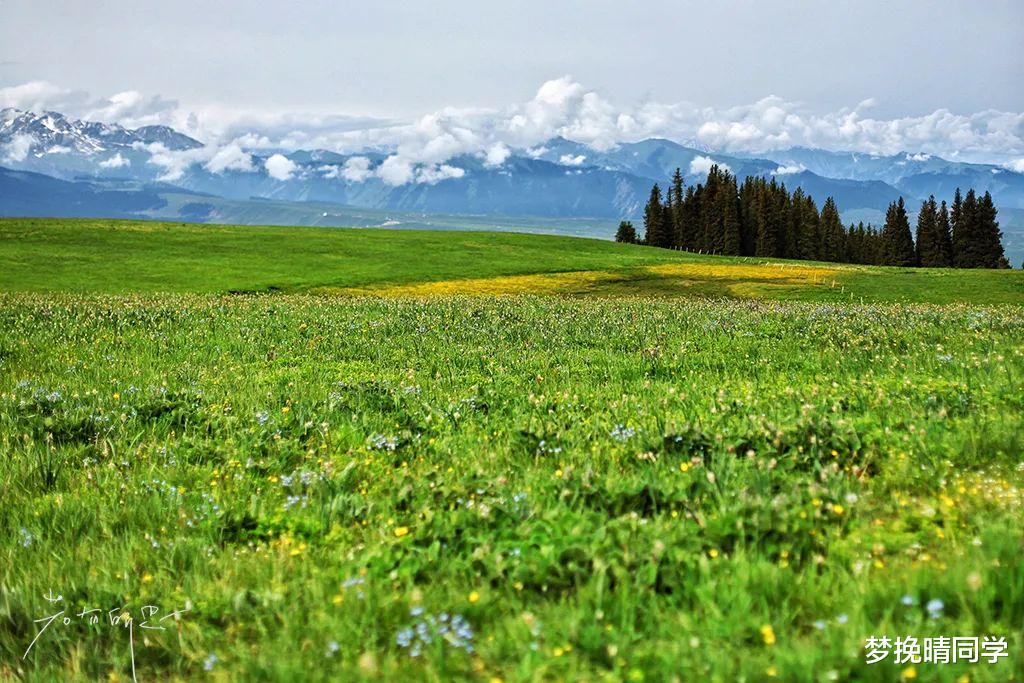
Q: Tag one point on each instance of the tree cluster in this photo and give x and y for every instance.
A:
(760, 217)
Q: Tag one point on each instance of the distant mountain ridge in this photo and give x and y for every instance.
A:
(559, 179)
(51, 130)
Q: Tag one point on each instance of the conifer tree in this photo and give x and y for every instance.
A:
(990, 246)
(959, 232)
(944, 237)
(897, 243)
(832, 245)
(677, 200)
(928, 243)
(690, 220)
(626, 233)
(731, 240)
(654, 219)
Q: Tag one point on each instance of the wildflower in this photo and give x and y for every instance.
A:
(909, 600)
(768, 634)
(935, 607)
(401, 531)
(332, 648)
(771, 672)
(838, 509)
(684, 467)
(622, 433)
(474, 597)
(210, 661)
(713, 553)
(147, 578)
(820, 624)
(908, 673)
(842, 619)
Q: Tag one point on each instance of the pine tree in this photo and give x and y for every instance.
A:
(654, 219)
(766, 243)
(990, 246)
(959, 232)
(968, 243)
(944, 237)
(626, 233)
(731, 239)
(897, 243)
(929, 247)
(677, 200)
(832, 246)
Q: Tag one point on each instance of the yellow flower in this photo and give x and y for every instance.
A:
(147, 578)
(285, 409)
(474, 597)
(772, 671)
(838, 509)
(684, 467)
(768, 634)
(713, 553)
(401, 531)
(337, 599)
(908, 673)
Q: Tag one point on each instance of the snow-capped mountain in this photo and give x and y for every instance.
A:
(559, 179)
(53, 133)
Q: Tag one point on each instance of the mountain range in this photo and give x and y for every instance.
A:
(148, 171)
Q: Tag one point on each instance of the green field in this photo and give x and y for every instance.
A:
(124, 257)
(675, 468)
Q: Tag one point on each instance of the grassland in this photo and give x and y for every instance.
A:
(124, 257)
(439, 484)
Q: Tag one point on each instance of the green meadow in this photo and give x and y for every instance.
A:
(332, 454)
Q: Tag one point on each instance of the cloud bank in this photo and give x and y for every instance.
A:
(422, 150)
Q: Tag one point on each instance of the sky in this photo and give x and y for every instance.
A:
(915, 75)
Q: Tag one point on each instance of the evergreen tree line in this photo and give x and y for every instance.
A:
(760, 217)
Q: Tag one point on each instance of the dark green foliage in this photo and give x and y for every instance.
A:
(897, 243)
(626, 233)
(761, 218)
(656, 233)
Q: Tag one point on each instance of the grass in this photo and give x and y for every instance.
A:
(123, 257)
(599, 486)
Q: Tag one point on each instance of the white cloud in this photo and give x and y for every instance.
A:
(497, 154)
(116, 161)
(435, 174)
(701, 165)
(18, 148)
(59, 149)
(1015, 165)
(357, 169)
(570, 160)
(231, 157)
(788, 170)
(416, 150)
(920, 156)
(280, 167)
